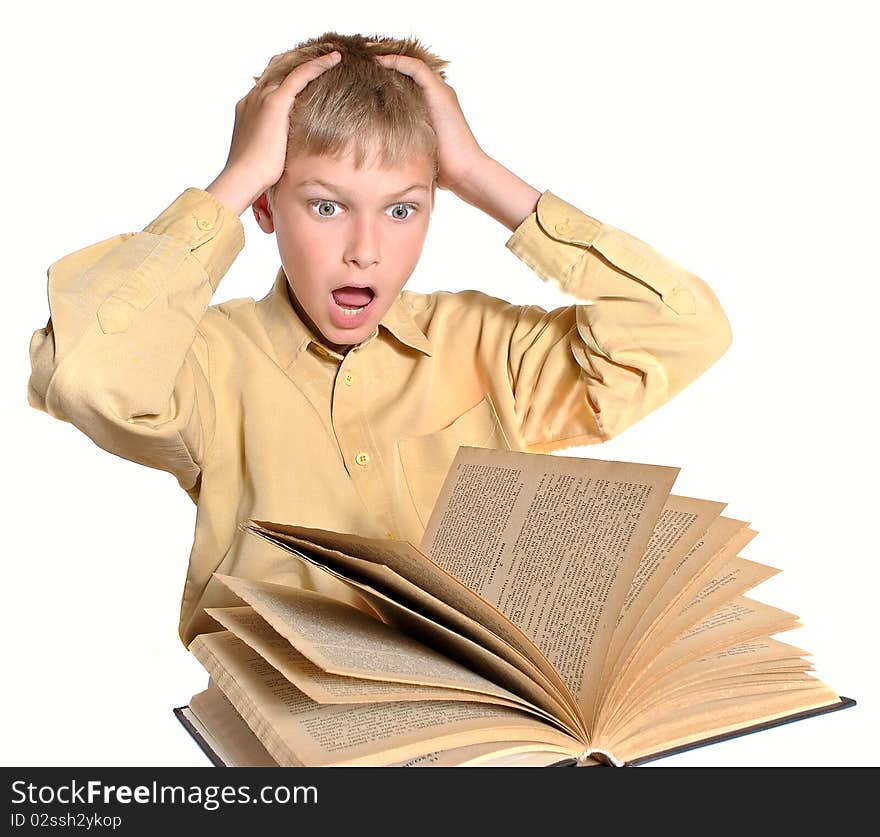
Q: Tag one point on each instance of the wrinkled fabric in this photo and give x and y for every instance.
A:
(257, 418)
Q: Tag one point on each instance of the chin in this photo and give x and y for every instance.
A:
(348, 337)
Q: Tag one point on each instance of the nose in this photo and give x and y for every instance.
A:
(363, 244)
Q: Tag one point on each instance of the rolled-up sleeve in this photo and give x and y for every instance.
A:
(643, 328)
(121, 356)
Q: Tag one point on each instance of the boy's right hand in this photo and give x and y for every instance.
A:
(259, 139)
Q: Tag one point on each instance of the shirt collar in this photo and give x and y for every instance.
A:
(290, 336)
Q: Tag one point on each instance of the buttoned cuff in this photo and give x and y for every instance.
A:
(554, 239)
(213, 232)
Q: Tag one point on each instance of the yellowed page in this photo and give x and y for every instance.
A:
(701, 693)
(725, 712)
(683, 522)
(724, 538)
(739, 620)
(553, 542)
(382, 578)
(714, 549)
(225, 732)
(446, 646)
(294, 728)
(515, 754)
(709, 672)
(756, 654)
(342, 640)
(695, 692)
(732, 579)
(402, 574)
(740, 657)
(469, 653)
(326, 687)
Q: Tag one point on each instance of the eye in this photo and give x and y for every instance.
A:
(411, 207)
(321, 205)
(324, 208)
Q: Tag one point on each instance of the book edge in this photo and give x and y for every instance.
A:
(843, 703)
(205, 747)
(216, 761)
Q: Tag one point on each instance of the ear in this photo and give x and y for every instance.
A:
(263, 213)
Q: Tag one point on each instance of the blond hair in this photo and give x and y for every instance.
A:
(359, 106)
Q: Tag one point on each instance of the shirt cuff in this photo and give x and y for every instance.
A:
(554, 239)
(213, 232)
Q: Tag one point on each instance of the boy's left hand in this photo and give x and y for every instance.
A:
(459, 151)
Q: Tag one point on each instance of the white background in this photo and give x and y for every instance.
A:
(739, 139)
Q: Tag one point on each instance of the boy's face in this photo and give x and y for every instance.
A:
(360, 229)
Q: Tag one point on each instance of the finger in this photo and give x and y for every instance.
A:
(300, 76)
(272, 60)
(415, 68)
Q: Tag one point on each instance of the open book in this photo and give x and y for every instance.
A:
(557, 608)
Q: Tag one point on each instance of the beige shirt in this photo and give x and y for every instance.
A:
(257, 419)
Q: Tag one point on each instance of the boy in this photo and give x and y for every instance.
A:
(339, 400)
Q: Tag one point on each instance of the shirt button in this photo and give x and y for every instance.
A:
(362, 458)
(562, 227)
(205, 224)
(348, 378)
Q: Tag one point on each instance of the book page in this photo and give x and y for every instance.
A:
(762, 653)
(325, 687)
(553, 542)
(683, 522)
(723, 688)
(295, 729)
(706, 593)
(733, 578)
(738, 621)
(515, 754)
(381, 577)
(343, 640)
(724, 712)
(759, 656)
(225, 732)
(449, 644)
(402, 574)
(716, 683)
(718, 545)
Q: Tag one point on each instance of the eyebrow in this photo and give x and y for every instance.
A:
(314, 181)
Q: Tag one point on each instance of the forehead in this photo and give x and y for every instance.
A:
(375, 179)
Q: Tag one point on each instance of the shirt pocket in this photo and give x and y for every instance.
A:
(426, 459)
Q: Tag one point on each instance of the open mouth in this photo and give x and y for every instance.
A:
(351, 300)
